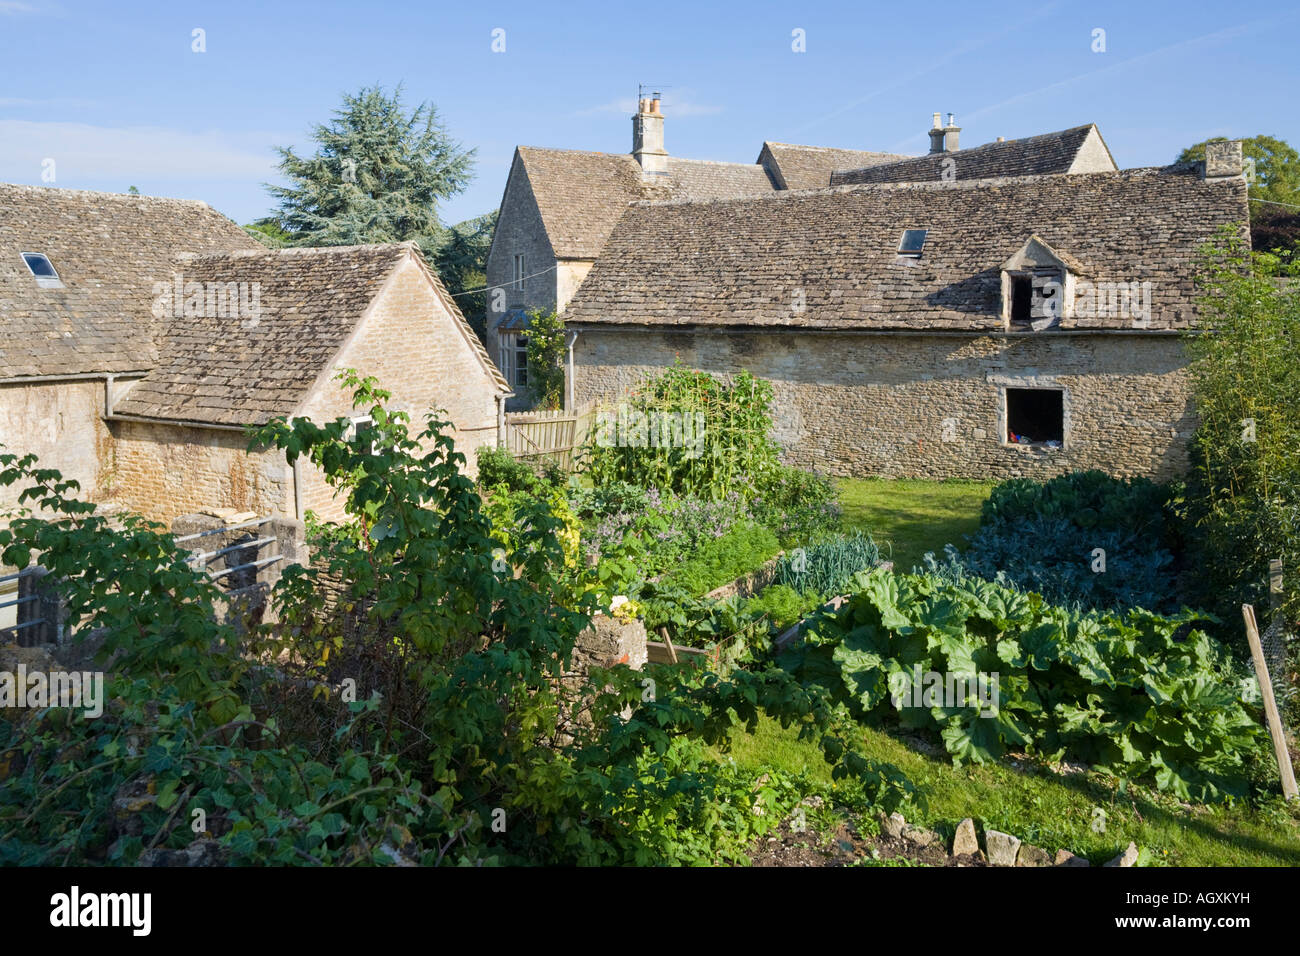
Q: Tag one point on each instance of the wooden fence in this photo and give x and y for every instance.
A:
(557, 435)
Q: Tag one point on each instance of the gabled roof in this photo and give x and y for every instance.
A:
(834, 251)
(580, 195)
(810, 167)
(1048, 153)
(108, 249)
(234, 370)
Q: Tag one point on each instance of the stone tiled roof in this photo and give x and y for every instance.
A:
(810, 167)
(750, 262)
(108, 250)
(233, 370)
(1031, 156)
(580, 195)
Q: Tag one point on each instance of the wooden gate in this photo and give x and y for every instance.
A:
(557, 435)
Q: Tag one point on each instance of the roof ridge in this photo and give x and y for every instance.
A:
(1174, 169)
(124, 197)
(298, 250)
(836, 149)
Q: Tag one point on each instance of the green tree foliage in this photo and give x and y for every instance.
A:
(460, 257)
(269, 233)
(547, 350)
(1277, 180)
(1243, 495)
(378, 175)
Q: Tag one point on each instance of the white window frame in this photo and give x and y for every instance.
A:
(518, 282)
(44, 282)
(520, 360)
(512, 358)
(354, 423)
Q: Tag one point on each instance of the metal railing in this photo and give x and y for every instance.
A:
(201, 558)
(20, 623)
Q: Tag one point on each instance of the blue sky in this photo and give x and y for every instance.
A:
(114, 94)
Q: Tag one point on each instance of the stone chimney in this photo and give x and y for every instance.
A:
(936, 135)
(1223, 159)
(943, 139)
(648, 138)
(950, 136)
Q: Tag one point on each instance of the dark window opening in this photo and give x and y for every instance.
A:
(1022, 298)
(39, 265)
(1036, 416)
(912, 243)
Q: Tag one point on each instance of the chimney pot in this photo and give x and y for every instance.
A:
(937, 123)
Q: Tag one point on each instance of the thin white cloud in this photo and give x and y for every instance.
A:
(11, 8)
(1207, 39)
(82, 153)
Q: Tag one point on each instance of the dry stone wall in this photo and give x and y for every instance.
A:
(931, 406)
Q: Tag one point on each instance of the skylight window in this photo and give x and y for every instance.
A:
(39, 265)
(912, 243)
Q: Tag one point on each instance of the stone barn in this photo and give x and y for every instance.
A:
(143, 335)
(985, 327)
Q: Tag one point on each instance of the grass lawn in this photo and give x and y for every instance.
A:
(1052, 811)
(913, 516)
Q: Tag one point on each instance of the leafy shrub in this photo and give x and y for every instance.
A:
(497, 468)
(1132, 694)
(783, 605)
(1243, 496)
(546, 352)
(1040, 536)
(828, 566)
(800, 506)
(661, 526)
(733, 451)
(742, 549)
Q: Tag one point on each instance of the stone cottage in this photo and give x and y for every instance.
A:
(967, 327)
(144, 334)
(560, 206)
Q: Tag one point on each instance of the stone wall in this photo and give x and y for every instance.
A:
(62, 424)
(519, 231)
(931, 406)
(162, 471)
(569, 274)
(411, 344)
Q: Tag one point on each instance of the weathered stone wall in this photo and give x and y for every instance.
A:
(162, 471)
(931, 406)
(569, 274)
(411, 344)
(1093, 156)
(519, 231)
(62, 423)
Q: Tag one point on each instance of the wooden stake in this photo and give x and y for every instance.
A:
(1289, 789)
(668, 643)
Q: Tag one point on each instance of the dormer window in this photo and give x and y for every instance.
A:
(1038, 287)
(912, 243)
(39, 265)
